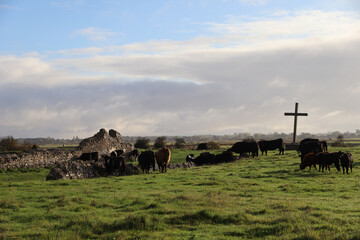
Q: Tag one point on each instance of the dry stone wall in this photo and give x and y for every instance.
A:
(36, 159)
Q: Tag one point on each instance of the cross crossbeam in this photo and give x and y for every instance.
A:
(295, 114)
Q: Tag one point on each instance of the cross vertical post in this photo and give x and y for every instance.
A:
(295, 114)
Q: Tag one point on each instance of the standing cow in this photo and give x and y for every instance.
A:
(116, 161)
(326, 159)
(347, 161)
(163, 158)
(271, 145)
(246, 147)
(309, 145)
(146, 161)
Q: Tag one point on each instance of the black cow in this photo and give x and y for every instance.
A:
(245, 147)
(326, 159)
(204, 158)
(308, 140)
(271, 145)
(133, 155)
(116, 161)
(226, 156)
(89, 156)
(347, 160)
(119, 152)
(190, 158)
(202, 146)
(146, 161)
(308, 146)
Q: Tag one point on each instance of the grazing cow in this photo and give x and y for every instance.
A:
(309, 146)
(204, 158)
(202, 146)
(271, 145)
(245, 147)
(146, 161)
(89, 156)
(326, 159)
(309, 160)
(163, 158)
(347, 161)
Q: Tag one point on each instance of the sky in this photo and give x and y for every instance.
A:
(178, 67)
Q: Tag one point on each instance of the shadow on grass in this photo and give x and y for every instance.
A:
(264, 231)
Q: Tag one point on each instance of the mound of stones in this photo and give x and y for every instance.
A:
(104, 142)
(79, 169)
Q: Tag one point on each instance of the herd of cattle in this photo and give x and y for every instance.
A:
(312, 152)
(116, 161)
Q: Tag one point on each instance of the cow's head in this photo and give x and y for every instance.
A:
(302, 166)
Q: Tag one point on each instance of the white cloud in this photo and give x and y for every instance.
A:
(278, 82)
(244, 79)
(5, 6)
(332, 114)
(290, 28)
(254, 2)
(96, 34)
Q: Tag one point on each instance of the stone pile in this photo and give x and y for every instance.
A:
(79, 169)
(105, 142)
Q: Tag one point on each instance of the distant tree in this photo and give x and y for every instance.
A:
(340, 139)
(213, 145)
(160, 142)
(142, 143)
(179, 142)
(9, 144)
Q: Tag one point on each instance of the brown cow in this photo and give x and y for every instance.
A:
(163, 158)
(309, 161)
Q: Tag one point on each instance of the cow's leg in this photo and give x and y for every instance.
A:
(347, 169)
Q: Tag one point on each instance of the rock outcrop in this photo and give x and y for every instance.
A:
(104, 142)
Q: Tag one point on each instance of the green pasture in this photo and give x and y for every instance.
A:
(267, 197)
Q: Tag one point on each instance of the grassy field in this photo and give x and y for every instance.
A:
(263, 198)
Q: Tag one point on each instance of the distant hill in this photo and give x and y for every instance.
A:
(204, 138)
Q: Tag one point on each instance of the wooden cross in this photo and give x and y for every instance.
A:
(295, 114)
